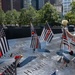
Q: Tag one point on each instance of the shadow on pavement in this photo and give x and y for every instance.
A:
(60, 52)
(26, 61)
(43, 50)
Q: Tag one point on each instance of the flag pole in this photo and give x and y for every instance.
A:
(17, 59)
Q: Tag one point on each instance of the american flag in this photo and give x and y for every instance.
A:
(65, 39)
(4, 47)
(47, 33)
(35, 43)
(73, 41)
(10, 69)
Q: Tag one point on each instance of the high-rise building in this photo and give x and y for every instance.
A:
(17, 4)
(12, 4)
(6, 5)
(66, 6)
(58, 2)
(63, 5)
(41, 3)
(51, 1)
(0, 4)
(58, 5)
(26, 3)
(35, 4)
(46, 1)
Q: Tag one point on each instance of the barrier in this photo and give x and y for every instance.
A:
(22, 32)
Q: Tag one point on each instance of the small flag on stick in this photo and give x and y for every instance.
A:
(4, 47)
(47, 33)
(35, 43)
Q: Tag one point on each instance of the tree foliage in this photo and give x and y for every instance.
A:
(27, 15)
(49, 13)
(11, 17)
(8, 17)
(70, 16)
(2, 17)
(73, 7)
(23, 17)
(15, 16)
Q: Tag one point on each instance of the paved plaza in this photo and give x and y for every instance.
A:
(41, 62)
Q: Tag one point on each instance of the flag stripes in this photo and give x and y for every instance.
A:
(10, 70)
(47, 34)
(73, 41)
(4, 47)
(65, 38)
(35, 44)
(65, 42)
(43, 34)
(1, 53)
(50, 37)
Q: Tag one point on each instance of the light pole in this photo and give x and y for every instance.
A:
(11, 2)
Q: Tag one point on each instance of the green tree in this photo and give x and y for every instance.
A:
(37, 18)
(2, 17)
(8, 17)
(31, 14)
(12, 17)
(73, 7)
(15, 16)
(70, 16)
(22, 20)
(27, 15)
(49, 13)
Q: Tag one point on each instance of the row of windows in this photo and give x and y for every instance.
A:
(67, 0)
(66, 6)
(66, 3)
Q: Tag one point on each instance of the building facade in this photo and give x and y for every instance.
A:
(51, 1)
(26, 3)
(58, 5)
(62, 5)
(41, 4)
(6, 5)
(12, 4)
(17, 4)
(38, 4)
(35, 4)
(66, 6)
(0, 4)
